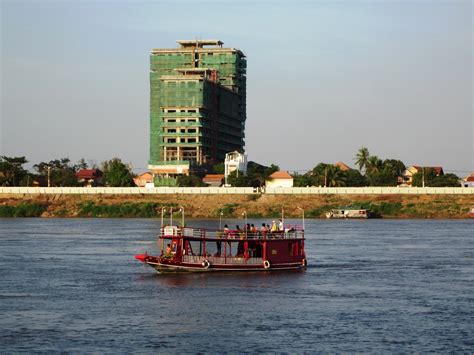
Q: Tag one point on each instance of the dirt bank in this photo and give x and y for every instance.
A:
(209, 206)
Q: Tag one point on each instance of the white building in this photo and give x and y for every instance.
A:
(279, 179)
(234, 161)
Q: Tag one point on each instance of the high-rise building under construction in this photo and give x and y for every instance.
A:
(197, 105)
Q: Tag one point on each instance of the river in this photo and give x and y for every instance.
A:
(72, 285)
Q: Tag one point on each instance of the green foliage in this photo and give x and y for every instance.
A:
(121, 210)
(362, 157)
(12, 172)
(22, 210)
(302, 180)
(190, 181)
(60, 172)
(163, 181)
(431, 180)
(228, 209)
(218, 168)
(117, 174)
(355, 178)
(446, 180)
(256, 175)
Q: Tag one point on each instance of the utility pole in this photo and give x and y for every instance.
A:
(49, 176)
(325, 176)
(423, 176)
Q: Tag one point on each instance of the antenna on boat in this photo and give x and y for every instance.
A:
(303, 215)
(181, 208)
(283, 217)
(163, 210)
(221, 213)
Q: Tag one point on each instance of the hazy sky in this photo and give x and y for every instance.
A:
(324, 77)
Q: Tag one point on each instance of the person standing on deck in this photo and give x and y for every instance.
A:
(274, 227)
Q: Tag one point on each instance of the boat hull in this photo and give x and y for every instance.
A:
(163, 265)
(166, 268)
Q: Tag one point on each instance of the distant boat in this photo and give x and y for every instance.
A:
(471, 212)
(348, 213)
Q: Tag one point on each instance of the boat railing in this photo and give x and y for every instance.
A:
(290, 232)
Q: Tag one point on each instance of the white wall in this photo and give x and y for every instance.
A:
(241, 190)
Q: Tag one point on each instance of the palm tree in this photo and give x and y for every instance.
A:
(335, 176)
(374, 164)
(362, 158)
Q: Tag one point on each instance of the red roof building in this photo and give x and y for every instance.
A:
(213, 179)
(342, 166)
(143, 179)
(89, 177)
(279, 179)
(468, 181)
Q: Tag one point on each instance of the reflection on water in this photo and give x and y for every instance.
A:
(371, 286)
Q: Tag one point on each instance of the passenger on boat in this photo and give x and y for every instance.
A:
(274, 227)
(263, 230)
(168, 251)
(253, 230)
(280, 225)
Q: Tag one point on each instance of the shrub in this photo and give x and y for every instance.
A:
(22, 210)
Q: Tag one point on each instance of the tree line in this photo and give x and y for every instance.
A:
(372, 171)
(61, 172)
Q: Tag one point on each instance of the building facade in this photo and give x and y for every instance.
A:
(197, 105)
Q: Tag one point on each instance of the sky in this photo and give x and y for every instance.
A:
(324, 78)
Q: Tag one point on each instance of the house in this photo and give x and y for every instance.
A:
(213, 180)
(279, 179)
(468, 181)
(89, 177)
(407, 176)
(234, 161)
(144, 180)
(342, 166)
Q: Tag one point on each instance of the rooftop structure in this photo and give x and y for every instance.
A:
(197, 105)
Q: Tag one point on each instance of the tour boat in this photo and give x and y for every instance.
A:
(471, 212)
(199, 249)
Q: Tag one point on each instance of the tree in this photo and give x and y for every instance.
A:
(354, 178)
(256, 175)
(334, 176)
(446, 180)
(117, 174)
(81, 164)
(362, 157)
(426, 174)
(12, 172)
(190, 181)
(58, 172)
(302, 180)
(218, 168)
(431, 180)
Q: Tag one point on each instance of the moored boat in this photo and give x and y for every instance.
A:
(348, 213)
(199, 249)
(471, 212)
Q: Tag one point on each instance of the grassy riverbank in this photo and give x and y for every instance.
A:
(208, 206)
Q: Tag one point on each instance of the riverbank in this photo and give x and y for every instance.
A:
(209, 206)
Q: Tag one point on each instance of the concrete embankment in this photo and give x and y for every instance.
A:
(232, 205)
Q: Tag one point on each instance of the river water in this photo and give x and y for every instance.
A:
(72, 285)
